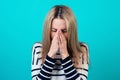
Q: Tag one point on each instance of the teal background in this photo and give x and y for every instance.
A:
(21, 24)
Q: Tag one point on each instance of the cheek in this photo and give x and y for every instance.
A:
(52, 34)
(66, 35)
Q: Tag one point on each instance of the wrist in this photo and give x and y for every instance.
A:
(50, 55)
(65, 55)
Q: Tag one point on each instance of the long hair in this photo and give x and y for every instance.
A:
(74, 48)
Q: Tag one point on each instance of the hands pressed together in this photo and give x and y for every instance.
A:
(58, 43)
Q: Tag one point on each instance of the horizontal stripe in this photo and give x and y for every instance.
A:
(70, 71)
(50, 62)
(68, 67)
(45, 70)
(44, 75)
(48, 66)
(38, 52)
(51, 75)
(36, 69)
(82, 75)
(50, 59)
(83, 69)
(35, 72)
(35, 75)
(57, 74)
(37, 47)
(71, 76)
(66, 62)
(58, 69)
(83, 72)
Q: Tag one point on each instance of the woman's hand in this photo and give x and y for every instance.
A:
(63, 45)
(54, 46)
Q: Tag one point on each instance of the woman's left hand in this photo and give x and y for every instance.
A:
(63, 46)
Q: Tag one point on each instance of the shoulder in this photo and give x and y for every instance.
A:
(85, 50)
(37, 48)
(36, 55)
(37, 45)
(84, 45)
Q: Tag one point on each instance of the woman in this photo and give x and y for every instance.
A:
(60, 56)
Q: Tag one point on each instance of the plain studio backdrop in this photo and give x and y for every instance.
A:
(21, 25)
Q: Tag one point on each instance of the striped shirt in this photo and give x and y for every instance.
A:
(52, 71)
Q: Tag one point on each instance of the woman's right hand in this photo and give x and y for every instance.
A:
(54, 46)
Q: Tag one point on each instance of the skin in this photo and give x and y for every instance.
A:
(59, 36)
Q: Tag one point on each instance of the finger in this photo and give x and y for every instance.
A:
(59, 42)
(56, 35)
(59, 36)
(62, 37)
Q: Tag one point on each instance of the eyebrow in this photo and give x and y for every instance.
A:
(61, 29)
(64, 29)
(53, 28)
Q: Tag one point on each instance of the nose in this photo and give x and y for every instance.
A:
(58, 31)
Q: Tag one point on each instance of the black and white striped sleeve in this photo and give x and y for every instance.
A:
(41, 72)
(70, 71)
(73, 73)
(46, 69)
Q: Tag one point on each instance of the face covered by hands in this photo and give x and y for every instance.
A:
(58, 43)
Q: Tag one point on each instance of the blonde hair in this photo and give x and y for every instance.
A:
(75, 50)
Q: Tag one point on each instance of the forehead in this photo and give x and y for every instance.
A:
(58, 23)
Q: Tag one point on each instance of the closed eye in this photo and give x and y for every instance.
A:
(54, 30)
(64, 30)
